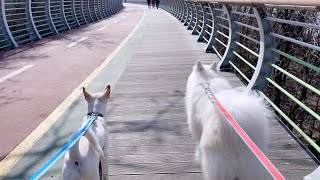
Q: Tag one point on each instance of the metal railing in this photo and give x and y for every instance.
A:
(25, 21)
(273, 48)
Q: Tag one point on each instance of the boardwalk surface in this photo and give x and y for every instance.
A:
(149, 135)
(149, 138)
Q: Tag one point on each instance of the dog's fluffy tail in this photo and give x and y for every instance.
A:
(74, 151)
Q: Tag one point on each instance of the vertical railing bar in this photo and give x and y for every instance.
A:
(32, 21)
(63, 15)
(213, 32)
(105, 7)
(204, 27)
(82, 13)
(88, 7)
(6, 24)
(195, 28)
(74, 13)
(233, 37)
(99, 9)
(186, 15)
(181, 10)
(94, 10)
(50, 17)
(266, 56)
(102, 9)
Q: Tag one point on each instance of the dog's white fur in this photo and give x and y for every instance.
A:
(221, 152)
(81, 162)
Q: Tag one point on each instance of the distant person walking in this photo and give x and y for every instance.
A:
(152, 3)
(157, 3)
(148, 1)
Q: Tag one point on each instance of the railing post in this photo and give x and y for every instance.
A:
(89, 12)
(63, 15)
(107, 7)
(176, 8)
(93, 15)
(99, 9)
(185, 12)
(193, 19)
(188, 17)
(171, 7)
(180, 10)
(113, 7)
(199, 19)
(102, 8)
(266, 56)
(233, 37)
(29, 16)
(165, 5)
(212, 41)
(205, 22)
(51, 24)
(8, 32)
(74, 13)
(82, 12)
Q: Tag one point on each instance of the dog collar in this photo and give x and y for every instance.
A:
(94, 114)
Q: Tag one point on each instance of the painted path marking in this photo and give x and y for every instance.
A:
(75, 43)
(6, 77)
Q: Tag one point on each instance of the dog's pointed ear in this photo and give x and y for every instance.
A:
(199, 66)
(86, 95)
(107, 92)
(214, 65)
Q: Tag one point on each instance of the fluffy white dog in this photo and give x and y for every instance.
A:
(81, 162)
(220, 150)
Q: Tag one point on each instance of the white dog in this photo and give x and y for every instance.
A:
(81, 162)
(220, 150)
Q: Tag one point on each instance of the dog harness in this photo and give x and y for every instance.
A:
(93, 114)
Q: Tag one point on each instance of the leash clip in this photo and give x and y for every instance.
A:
(206, 86)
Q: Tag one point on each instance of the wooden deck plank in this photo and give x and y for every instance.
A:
(178, 176)
(149, 137)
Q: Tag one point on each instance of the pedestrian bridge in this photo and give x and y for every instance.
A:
(54, 48)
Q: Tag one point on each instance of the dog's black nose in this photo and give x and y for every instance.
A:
(76, 163)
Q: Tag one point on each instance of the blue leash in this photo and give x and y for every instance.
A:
(55, 158)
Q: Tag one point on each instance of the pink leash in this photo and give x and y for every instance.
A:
(253, 147)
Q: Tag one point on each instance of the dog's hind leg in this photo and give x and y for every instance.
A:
(196, 131)
(105, 161)
(215, 166)
(104, 167)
